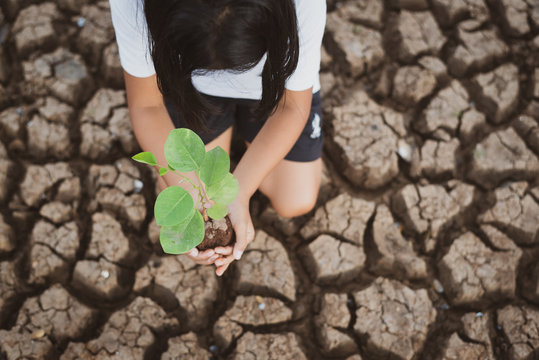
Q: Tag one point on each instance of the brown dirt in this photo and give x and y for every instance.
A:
(423, 244)
(218, 233)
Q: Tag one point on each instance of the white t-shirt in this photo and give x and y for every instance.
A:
(131, 34)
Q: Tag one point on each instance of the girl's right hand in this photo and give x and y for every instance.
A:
(206, 257)
(244, 230)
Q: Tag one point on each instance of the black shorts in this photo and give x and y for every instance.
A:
(239, 112)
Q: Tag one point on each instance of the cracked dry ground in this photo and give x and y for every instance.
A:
(423, 244)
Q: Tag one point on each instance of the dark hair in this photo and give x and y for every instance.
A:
(197, 36)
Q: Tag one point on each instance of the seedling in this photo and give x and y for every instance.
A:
(176, 212)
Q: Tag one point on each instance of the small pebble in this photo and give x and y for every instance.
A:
(262, 306)
(105, 274)
(19, 111)
(138, 185)
(81, 21)
(479, 314)
(38, 334)
(444, 307)
(438, 286)
(404, 150)
(214, 348)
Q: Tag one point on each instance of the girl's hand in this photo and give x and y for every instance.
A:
(243, 227)
(206, 257)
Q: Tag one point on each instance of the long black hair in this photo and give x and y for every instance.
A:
(197, 36)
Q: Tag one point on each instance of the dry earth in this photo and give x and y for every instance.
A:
(424, 243)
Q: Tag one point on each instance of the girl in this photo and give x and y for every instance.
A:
(211, 64)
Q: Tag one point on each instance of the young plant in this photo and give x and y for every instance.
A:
(182, 224)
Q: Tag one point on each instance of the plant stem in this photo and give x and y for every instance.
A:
(197, 202)
(202, 189)
(201, 201)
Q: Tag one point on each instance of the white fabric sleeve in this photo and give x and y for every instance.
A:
(131, 35)
(311, 23)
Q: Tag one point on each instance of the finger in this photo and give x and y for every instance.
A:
(220, 270)
(224, 260)
(223, 250)
(206, 254)
(212, 259)
(243, 239)
(204, 261)
(193, 252)
(209, 261)
(196, 255)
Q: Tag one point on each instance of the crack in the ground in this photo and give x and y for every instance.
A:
(307, 291)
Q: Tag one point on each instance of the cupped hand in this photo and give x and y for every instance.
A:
(206, 257)
(243, 227)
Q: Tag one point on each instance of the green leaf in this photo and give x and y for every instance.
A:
(215, 166)
(172, 206)
(163, 171)
(182, 238)
(145, 157)
(184, 150)
(181, 226)
(170, 167)
(225, 191)
(217, 211)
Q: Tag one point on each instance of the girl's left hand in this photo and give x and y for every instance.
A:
(243, 227)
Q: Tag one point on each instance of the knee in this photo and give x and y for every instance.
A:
(292, 207)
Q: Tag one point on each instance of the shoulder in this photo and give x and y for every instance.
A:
(310, 7)
(128, 11)
(132, 36)
(311, 14)
(127, 5)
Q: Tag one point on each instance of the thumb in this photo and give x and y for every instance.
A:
(243, 238)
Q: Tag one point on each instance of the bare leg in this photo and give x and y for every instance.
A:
(224, 140)
(293, 186)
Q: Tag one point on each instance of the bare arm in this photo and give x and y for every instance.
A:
(151, 125)
(274, 140)
(149, 118)
(270, 146)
